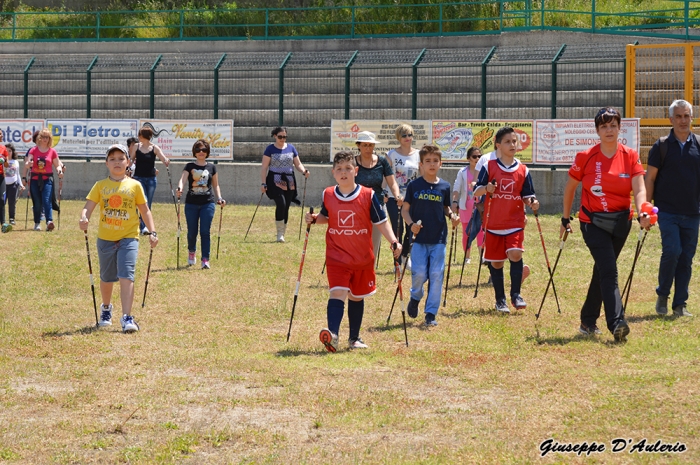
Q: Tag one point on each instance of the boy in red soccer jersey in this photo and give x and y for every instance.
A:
(350, 210)
(505, 221)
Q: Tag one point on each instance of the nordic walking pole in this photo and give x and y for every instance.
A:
(218, 239)
(403, 309)
(554, 269)
(92, 281)
(301, 268)
(546, 258)
(303, 201)
(254, 213)
(60, 191)
(29, 194)
(628, 287)
(177, 212)
(379, 251)
(148, 274)
(469, 238)
(449, 265)
(483, 248)
(403, 272)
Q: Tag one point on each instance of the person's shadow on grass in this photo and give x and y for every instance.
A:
(83, 331)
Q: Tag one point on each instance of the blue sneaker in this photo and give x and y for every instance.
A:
(6, 228)
(412, 308)
(430, 320)
(106, 315)
(128, 324)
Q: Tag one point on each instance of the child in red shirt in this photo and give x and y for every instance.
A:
(349, 210)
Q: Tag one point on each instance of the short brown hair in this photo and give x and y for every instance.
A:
(201, 144)
(344, 156)
(606, 115)
(146, 133)
(429, 150)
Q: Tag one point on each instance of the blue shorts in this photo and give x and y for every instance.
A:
(117, 259)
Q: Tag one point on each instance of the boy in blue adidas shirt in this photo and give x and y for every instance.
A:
(428, 200)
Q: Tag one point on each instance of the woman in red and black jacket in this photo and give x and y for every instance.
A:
(608, 172)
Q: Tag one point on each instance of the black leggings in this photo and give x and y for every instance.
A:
(603, 289)
(283, 202)
(12, 195)
(2, 199)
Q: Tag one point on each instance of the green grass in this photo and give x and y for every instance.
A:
(210, 379)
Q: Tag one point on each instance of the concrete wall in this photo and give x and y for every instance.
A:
(240, 182)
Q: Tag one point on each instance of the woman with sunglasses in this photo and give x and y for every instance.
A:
(144, 154)
(608, 171)
(373, 171)
(277, 177)
(405, 161)
(463, 198)
(41, 160)
(203, 194)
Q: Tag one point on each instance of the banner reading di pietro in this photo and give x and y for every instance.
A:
(89, 137)
(176, 137)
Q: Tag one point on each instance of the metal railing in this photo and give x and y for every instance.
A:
(678, 20)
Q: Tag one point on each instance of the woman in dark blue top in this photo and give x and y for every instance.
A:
(277, 177)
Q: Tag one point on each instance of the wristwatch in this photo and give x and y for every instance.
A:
(154, 234)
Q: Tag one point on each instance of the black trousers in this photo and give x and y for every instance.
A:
(603, 289)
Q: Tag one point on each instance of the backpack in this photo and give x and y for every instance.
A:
(663, 148)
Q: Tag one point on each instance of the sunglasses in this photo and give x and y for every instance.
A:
(607, 111)
(201, 150)
(475, 157)
(281, 137)
(405, 136)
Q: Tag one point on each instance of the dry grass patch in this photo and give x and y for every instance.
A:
(210, 379)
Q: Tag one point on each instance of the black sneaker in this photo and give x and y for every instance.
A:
(412, 308)
(621, 331)
(589, 330)
(681, 310)
(518, 302)
(430, 320)
(502, 306)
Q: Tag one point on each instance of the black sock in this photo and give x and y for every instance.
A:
(355, 312)
(497, 280)
(336, 309)
(516, 277)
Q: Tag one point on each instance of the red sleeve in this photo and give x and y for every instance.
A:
(576, 170)
(636, 168)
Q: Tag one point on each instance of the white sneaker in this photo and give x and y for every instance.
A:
(106, 315)
(145, 231)
(329, 340)
(192, 258)
(205, 264)
(128, 324)
(357, 344)
(37, 226)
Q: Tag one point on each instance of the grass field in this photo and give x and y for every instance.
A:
(210, 379)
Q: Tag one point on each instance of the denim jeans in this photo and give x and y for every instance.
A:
(41, 199)
(603, 288)
(679, 239)
(149, 187)
(199, 216)
(428, 264)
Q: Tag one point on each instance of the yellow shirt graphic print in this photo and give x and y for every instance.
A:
(118, 212)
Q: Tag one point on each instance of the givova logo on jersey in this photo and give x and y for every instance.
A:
(505, 190)
(346, 225)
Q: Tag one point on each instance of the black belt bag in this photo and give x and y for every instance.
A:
(614, 223)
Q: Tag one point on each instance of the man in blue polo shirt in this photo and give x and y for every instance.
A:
(673, 181)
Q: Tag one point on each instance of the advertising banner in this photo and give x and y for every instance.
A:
(176, 137)
(456, 137)
(18, 132)
(344, 133)
(89, 137)
(558, 141)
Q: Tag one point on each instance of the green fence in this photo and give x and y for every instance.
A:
(309, 89)
(677, 19)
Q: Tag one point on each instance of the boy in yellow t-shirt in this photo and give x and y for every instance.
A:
(117, 236)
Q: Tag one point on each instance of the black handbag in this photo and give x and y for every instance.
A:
(614, 223)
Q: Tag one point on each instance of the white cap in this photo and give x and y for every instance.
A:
(366, 136)
(119, 147)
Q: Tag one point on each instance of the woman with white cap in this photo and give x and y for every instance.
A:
(373, 170)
